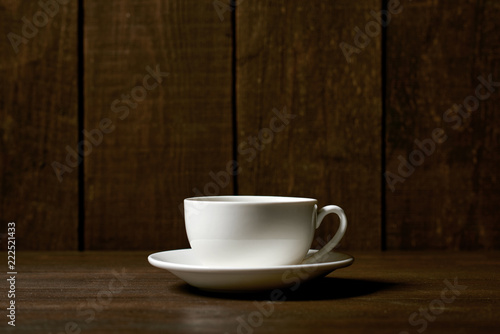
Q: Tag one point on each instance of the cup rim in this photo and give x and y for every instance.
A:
(250, 199)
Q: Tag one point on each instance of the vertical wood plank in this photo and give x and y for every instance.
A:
(436, 52)
(166, 142)
(38, 119)
(288, 56)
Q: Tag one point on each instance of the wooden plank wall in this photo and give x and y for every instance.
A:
(38, 119)
(165, 142)
(230, 73)
(435, 54)
(289, 60)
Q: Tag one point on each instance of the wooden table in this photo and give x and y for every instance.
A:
(382, 292)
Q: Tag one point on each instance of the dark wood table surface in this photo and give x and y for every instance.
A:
(382, 292)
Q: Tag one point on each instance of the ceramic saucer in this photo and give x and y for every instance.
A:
(183, 264)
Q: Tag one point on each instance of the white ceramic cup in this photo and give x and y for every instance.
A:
(256, 231)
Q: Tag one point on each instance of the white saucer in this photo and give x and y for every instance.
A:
(184, 265)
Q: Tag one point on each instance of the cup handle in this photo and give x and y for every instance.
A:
(336, 238)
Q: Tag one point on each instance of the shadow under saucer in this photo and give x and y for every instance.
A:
(324, 288)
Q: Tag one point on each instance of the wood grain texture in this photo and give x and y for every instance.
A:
(167, 142)
(289, 56)
(38, 119)
(436, 52)
(379, 293)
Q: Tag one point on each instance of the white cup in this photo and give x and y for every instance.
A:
(256, 231)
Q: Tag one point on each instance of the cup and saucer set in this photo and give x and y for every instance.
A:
(252, 243)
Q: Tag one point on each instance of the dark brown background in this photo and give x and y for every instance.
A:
(353, 119)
